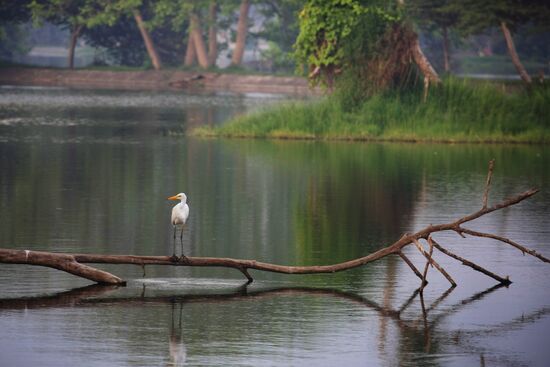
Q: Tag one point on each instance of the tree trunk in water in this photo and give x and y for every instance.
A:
(72, 45)
(149, 45)
(513, 54)
(447, 64)
(242, 29)
(190, 54)
(198, 43)
(212, 34)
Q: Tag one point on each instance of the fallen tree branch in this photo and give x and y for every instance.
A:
(432, 262)
(425, 275)
(523, 249)
(65, 262)
(73, 263)
(413, 268)
(476, 267)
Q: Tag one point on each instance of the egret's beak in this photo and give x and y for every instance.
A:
(173, 198)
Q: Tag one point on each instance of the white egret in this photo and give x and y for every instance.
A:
(180, 213)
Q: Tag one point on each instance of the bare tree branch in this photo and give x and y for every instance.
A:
(476, 267)
(411, 265)
(505, 240)
(426, 267)
(433, 263)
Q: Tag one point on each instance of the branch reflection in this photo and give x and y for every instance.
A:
(412, 329)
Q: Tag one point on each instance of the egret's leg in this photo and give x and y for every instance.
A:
(174, 257)
(183, 257)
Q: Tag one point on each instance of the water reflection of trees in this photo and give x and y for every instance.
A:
(343, 200)
(415, 332)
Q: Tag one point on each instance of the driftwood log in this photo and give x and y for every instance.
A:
(74, 263)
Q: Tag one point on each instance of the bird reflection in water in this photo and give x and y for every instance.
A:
(178, 351)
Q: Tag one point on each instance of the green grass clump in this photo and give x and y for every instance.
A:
(455, 111)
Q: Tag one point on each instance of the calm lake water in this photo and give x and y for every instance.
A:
(89, 171)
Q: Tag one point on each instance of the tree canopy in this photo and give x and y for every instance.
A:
(372, 40)
(341, 34)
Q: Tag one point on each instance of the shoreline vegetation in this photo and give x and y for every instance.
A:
(456, 111)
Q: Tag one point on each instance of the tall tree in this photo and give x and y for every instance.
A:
(197, 40)
(72, 15)
(435, 14)
(147, 40)
(135, 8)
(113, 10)
(242, 30)
(122, 41)
(123, 44)
(507, 15)
(179, 12)
(280, 29)
(212, 33)
(190, 53)
(366, 40)
(76, 15)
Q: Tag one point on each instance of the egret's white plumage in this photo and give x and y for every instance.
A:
(180, 213)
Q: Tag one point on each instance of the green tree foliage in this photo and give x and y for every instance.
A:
(477, 16)
(176, 12)
(280, 29)
(70, 14)
(13, 39)
(191, 19)
(365, 43)
(432, 12)
(73, 15)
(124, 44)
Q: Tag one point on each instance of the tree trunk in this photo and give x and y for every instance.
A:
(190, 54)
(198, 43)
(149, 45)
(430, 75)
(72, 45)
(242, 30)
(426, 68)
(212, 34)
(446, 62)
(513, 54)
(423, 63)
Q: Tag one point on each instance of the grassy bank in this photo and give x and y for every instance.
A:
(455, 111)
